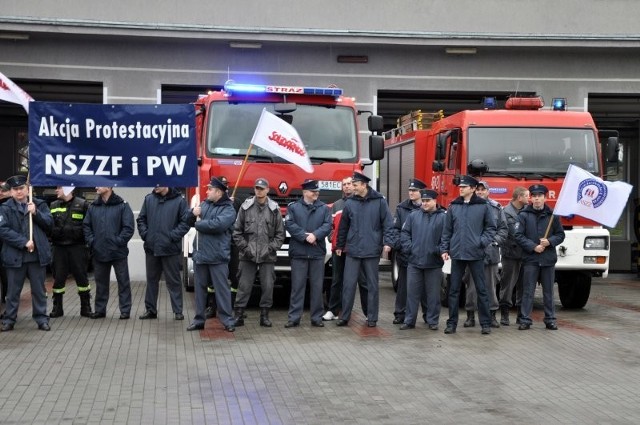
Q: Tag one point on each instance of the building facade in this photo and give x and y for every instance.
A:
(392, 57)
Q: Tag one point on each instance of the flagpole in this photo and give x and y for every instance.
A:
(243, 169)
(30, 215)
(546, 233)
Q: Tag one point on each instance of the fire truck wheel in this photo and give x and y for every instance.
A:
(574, 289)
(444, 292)
(395, 271)
(187, 278)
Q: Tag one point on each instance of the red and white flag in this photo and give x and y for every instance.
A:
(588, 196)
(10, 92)
(280, 138)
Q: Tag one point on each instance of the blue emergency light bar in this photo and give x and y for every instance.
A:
(253, 88)
(559, 104)
(489, 103)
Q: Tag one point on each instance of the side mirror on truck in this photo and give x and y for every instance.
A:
(376, 147)
(375, 123)
(611, 149)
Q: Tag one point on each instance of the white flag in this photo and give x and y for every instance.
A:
(10, 92)
(280, 138)
(588, 196)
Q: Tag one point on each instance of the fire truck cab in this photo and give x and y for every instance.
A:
(520, 145)
(327, 123)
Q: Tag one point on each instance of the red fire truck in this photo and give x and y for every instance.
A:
(519, 145)
(326, 121)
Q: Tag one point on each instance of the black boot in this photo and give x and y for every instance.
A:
(238, 316)
(494, 322)
(85, 304)
(57, 310)
(212, 307)
(264, 318)
(471, 319)
(504, 316)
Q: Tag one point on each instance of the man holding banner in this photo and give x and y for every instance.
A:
(538, 232)
(26, 252)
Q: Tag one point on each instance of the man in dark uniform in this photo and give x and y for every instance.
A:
(5, 195)
(334, 300)
(403, 210)
(24, 257)
(366, 230)
(162, 223)
(469, 230)
(212, 307)
(539, 257)
(491, 260)
(211, 252)
(108, 228)
(308, 221)
(420, 238)
(69, 249)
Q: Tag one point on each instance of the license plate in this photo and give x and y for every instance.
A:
(330, 185)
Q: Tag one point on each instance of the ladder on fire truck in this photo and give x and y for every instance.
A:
(414, 120)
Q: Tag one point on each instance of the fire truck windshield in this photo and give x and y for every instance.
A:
(547, 151)
(329, 134)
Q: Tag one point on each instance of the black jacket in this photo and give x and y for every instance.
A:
(303, 218)
(531, 226)
(213, 242)
(108, 227)
(14, 232)
(469, 229)
(67, 221)
(403, 210)
(162, 223)
(420, 238)
(366, 225)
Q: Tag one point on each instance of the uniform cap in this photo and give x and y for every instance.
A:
(215, 182)
(415, 184)
(263, 183)
(310, 185)
(4, 187)
(359, 177)
(485, 184)
(428, 194)
(16, 181)
(538, 188)
(468, 181)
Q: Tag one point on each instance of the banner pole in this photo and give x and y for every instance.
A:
(546, 233)
(243, 169)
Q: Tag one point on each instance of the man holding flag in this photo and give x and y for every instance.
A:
(538, 232)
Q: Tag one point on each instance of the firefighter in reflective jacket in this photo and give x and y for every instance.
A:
(69, 249)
